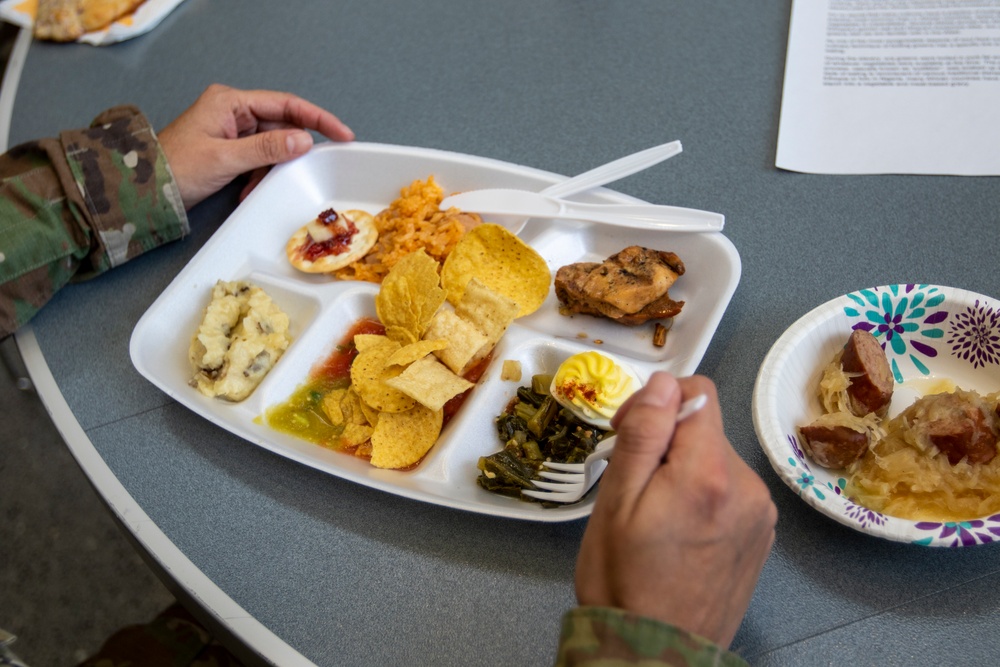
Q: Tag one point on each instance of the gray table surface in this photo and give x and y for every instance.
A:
(349, 575)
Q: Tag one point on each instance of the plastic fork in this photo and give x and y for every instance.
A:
(568, 482)
(534, 205)
(614, 170)
(602, 175)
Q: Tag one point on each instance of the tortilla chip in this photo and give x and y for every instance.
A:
(401, 335)
(401, 439)
(409, 353)
(367, 341)
(370, 370)
(489, 311)
(331, 406)
(409, 297)
(464, 339)
(430, 383)
(500, 261)
(371, 415)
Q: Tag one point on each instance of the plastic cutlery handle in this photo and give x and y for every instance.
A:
(644, 216)
(606, 447)
(691, 406)
(615, 170)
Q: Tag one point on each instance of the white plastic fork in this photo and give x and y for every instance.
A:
(571, 481)
(602, 175)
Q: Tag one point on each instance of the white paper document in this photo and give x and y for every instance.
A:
(892, 86)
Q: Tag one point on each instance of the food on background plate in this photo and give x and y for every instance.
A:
(630, 287)
(855, 390)
(858, 380)
(242, 335)
(332, 241)
(937, 461)
(838, 439)
(412, 222)
(559, 418)
(593, 386)
(500, 261)
(391, 386)
(68, 20)
(934, 461)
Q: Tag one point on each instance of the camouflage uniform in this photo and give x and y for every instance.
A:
(604, 637)
(74, 207)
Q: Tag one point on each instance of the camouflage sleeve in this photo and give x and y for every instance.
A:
(75, 206)
(599, 636)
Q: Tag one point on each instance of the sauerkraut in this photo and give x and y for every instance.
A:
(904, 474)
(833, 387)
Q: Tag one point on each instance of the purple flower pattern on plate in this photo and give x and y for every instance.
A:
(974, 335)
(961, 533)
(904, 318)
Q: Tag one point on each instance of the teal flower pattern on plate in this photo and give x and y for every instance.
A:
(805, 480)
(905, 319)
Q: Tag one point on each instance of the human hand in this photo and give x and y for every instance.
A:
(681, 527)
(229, 132)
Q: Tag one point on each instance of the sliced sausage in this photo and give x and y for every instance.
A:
(871, 381)
(961, 430)
(834, 446)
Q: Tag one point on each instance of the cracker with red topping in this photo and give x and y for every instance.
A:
(332, 241)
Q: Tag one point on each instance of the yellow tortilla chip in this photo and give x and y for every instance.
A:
(500, 261)
(401, 335)
(343, 408)
(409, 353)
(355, 435)
(367, 341)
(430, 383)
(401, 439)
(331, 406)
(464, 339)
(371, 414)
(489, 311)
(357, 430)
(409, 297)
(370, 370)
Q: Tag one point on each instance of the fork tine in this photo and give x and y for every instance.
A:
(577, 479)
(551, 495)
(562, 476)
(564, 467)
(558, 486)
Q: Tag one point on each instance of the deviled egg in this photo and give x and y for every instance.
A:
(593, 385)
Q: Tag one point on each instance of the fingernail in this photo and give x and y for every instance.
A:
(658, 392)
(298, 142)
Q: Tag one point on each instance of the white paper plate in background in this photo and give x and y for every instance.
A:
(928, 331)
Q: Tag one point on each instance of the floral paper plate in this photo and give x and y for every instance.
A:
(928, 332)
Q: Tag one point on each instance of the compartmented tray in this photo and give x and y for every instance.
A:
(250, 246)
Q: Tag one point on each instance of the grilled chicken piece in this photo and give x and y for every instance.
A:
(629, 287)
